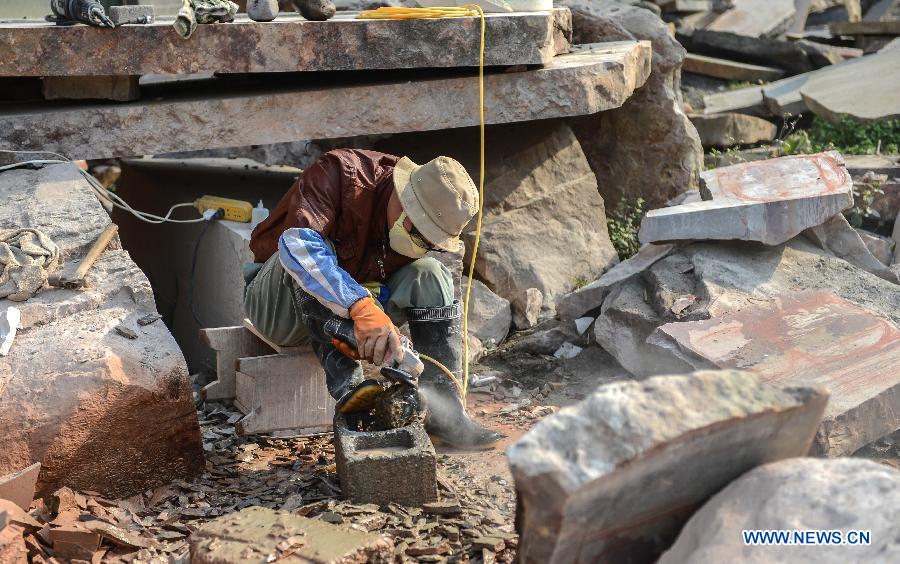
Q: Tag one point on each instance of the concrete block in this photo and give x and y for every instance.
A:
(258, 534)
(593, 79)
(614, 478)
(807, 339)
(767, 201)
(131, 14)
(229, 344)
(381, 467)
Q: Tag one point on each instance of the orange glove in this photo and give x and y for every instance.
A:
(376, 336)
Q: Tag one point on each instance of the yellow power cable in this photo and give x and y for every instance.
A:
(469, 10)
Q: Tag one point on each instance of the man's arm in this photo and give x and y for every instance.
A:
(306, 257)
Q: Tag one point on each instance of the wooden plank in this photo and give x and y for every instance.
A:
(594, 78)
(283, 392)
(866, 28)
(289, 44)
(728, 70)
(230, 343)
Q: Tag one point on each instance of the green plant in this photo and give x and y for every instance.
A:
(864, 193)
(579, 282)
(849, 137)
(623, 223)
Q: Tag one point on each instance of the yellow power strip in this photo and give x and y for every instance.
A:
(235, 210)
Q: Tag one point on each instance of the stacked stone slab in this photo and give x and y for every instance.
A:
(100, 411)
(614, 478)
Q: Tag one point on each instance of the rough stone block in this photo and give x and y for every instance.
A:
(726, 130)
(121, 15)
(99, 411)
(613, 478)
(800, 494)
(18, 487)
(809, 339)
(746, 18)
(489, 315)
(767, 201)
(526, 307)
(257, 534)
(382, 467)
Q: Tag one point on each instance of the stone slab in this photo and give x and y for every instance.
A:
(258, 534)
(589, 80)
(809, 339)
(18, 487)
(782, 98)
(120, 88)
(747, 17)
(784, 55)
(289, 44)
(767, 201)
(891, 27)
(590, 297)
(800, 494)
(728, 70)
(394, 466)
(747, 100)
(726, 130)
(835, 92)
(613, 478)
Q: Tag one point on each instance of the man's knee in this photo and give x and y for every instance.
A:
(430, 270)
(423, 283)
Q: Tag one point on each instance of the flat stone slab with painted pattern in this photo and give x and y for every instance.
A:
(288, 44)
(591, 79)
(809, 339)
(769, 201)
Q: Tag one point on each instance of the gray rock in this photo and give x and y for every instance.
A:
(545, 222)
(809, 339)
(805, 494)
(746, 18)
(100, 412)
(262, 10)
(895, 235)
(726, 130)
(526, 307)
(650, 122)
(843, 241)
(767, 201)
(760, 50)
(131, 14)
(614, 478)
(590, 297)
(489, 315)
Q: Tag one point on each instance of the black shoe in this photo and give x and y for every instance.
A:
(361, 398)
(436, 333)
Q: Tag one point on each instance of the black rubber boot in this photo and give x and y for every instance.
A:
(343, 375)
(436, 333)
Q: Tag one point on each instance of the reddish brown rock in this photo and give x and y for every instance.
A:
(99, 411)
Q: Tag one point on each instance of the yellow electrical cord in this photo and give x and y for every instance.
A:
(469, 10)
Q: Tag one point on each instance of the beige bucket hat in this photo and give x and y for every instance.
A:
(439, 197)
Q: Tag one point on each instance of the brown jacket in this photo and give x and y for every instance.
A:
(343, 197)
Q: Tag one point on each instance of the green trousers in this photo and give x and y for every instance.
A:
(271, 297)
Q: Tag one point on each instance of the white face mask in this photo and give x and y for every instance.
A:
(402, 242)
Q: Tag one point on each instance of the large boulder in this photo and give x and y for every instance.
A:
(544, 219)
(613, 478)
(489, 315)
(103, 401)
(648, 147)
(799, 494)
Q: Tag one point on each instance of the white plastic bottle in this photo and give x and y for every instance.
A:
(259, 214)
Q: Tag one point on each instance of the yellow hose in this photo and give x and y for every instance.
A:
(470, 10)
